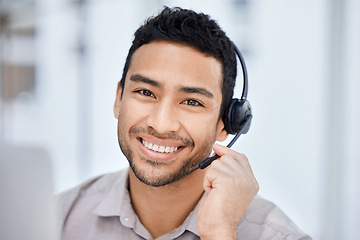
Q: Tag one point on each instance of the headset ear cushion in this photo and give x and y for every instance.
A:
(236, 114)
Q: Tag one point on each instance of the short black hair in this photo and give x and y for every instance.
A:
(194, 29)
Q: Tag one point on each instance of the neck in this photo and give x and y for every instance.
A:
(162, 209)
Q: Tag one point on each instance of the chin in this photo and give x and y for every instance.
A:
(156, 174)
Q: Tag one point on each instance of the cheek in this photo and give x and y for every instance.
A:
(200, 129)
(130, 114)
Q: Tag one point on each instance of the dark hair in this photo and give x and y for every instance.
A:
(193, 29)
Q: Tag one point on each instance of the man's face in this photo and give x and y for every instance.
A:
(169, 110)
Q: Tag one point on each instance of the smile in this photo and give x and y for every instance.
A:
(157, 148)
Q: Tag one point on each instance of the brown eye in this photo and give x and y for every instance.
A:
(192, 102)
(146, 93)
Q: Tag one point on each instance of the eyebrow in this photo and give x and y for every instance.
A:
(141, 78)
(197, 90)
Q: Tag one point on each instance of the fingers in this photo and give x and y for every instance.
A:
(233, 167)
(230, 187)
(226, 153)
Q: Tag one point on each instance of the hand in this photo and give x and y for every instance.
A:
(230, 188)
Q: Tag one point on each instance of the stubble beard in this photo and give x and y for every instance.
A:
(188, 165)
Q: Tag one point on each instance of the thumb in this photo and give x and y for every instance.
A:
(220, 150)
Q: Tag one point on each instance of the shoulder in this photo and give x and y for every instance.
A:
(264, 220)
(88, 194)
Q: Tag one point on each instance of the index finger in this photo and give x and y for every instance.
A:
(239, 157)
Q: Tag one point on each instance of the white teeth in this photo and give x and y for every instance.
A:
(160, 149)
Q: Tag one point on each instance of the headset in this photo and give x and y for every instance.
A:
(237, 117)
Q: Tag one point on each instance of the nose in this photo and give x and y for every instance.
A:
(163, 117)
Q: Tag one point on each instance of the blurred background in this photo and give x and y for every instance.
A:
(60, 61)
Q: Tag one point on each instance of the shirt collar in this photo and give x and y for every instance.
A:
(191, 221)
(116, 198)
(117, 202)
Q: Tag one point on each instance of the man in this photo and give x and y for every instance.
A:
(177, 82)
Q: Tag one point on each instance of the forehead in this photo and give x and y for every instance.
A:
(175, 63)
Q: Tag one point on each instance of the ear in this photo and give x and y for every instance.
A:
(221, 133)
(117, 101)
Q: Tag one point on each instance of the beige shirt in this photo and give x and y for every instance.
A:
(101, 209)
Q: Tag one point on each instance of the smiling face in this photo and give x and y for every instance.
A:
(168, 111)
